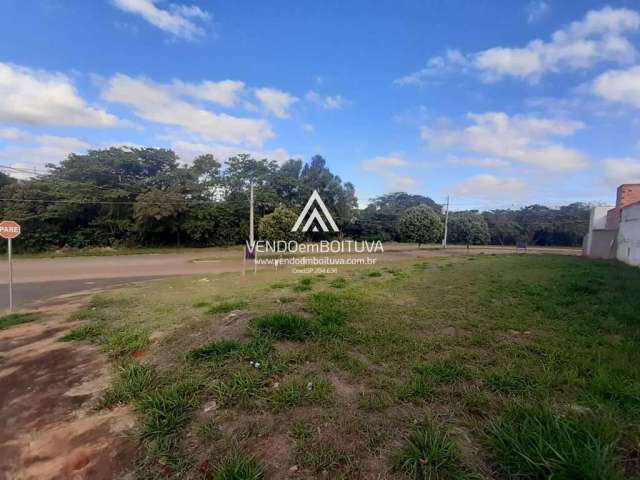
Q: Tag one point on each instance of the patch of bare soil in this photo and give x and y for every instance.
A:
(48, 429)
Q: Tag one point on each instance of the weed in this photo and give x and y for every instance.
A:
(239, 390)
(12, 319)
(339, 282)
(531, 442)
(166, 411)
(374, 274)
(85, 332)
(510, 383)
(302, 287)
(217, 349)
(132, 381)
(201, 304)
(284, 325)
(226, 307)
(373, 401)
(428, 453)
(239, 466)
(293, 393)
(442, 371)
(329, 311)
(285, 300)
(125, 341)
(425, 378)
(209, 430)
(279, 285)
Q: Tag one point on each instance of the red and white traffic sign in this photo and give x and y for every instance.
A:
(9, 229)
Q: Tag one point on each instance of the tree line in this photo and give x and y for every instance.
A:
(145, 197)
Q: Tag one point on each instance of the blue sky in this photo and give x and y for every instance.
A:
(495, 103)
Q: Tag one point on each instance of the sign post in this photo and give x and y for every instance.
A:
(10, 230)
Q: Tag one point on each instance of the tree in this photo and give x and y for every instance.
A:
(379, 220)
(420, 225)
(468, 228)
(158, 213)
(277, 225)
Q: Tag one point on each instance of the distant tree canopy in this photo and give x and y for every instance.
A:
(469, 228)
(539, 225)
(145, 196)
(379, 220)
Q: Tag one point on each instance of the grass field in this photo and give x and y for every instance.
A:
(493, 366)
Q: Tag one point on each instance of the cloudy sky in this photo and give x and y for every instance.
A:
(495, 103)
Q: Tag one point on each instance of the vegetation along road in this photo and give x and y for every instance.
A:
(44, 277)
(483, 367)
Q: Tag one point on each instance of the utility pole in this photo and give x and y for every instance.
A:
(251, 239)
(446, 221)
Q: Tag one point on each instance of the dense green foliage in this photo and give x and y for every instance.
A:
(145, 197)
(469, 228)
(420, 225)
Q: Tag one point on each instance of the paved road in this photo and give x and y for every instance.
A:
(27, 293)
(40, 278)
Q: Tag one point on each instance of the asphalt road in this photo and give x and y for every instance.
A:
(28, 293)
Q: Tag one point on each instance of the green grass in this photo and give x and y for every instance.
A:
(428, 453)
(12, 319)
(295, 393)
(126, 341)
(226, 307)
(239, 466)
(284, 326)
(475, 345)
(131, 383)
(215, 350)
(531, 442)
(85, 332)
(166, 411)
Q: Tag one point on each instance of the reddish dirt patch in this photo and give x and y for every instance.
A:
(48, 429)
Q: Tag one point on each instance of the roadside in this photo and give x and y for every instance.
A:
(48, 428)
(36, 279)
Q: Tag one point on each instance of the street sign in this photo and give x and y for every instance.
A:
(9, 230)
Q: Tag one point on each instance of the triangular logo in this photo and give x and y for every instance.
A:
(315, 215)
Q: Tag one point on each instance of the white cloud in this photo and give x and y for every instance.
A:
(335, 102)
(42, 98)
(537, 10)
(275, 101)
(384, 163)
(224, 92)
(386, 166)
(601, 36)
(621, 86)
(179, 21)
(402, 183)
(518, 138)
(622, 170)
(31, 152)
(159, 103)
(12, 134)
(452, 61)
(187, 151)
(487, 186)
(307, 127)
(487, 162)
